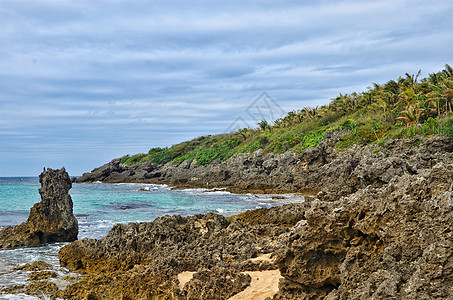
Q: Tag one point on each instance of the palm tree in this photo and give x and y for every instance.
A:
(448, 71)
(410, 116)
(310, 112)
(243, 133)
(323, 111)
(263, 124)
(448, 95)
(380, 105)
(392, 87)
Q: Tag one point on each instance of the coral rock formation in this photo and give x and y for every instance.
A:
(143, 260)
(388, 242)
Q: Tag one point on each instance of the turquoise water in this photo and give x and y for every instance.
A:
(98, 206)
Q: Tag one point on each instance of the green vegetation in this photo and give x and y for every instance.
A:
(401, 108)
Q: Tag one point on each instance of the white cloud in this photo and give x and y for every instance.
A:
(107, 73)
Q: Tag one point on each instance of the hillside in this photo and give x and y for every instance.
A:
(401, 108)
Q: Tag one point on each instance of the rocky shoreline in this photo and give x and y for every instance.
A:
(390, 240)
(321, 168)
(379, 225)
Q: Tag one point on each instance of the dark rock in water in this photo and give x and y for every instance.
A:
(41, 275)
(50, 220)
(40, 288)
(37, 265)
(128, 205)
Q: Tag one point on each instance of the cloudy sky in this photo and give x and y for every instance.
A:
(82, 82)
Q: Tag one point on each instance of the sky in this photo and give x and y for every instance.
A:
(83, 82)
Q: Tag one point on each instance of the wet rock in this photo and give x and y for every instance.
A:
(50, 220)
(40, 275)
(41, 288)
(37, 265)
(15, 289)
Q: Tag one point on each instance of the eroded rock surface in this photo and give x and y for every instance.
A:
(147, 257)
(50, 220)
(379, 227)
(392, 242)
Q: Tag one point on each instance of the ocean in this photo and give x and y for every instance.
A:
(98, 206)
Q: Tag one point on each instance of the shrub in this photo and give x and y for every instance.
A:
(431, 126)
(160, 155)
(312, 139)
(263, 141)
(134, 159)
(447, 128)
(124, 159)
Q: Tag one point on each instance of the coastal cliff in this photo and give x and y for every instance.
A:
(50, 220)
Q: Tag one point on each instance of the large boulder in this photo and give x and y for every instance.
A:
(50, 220)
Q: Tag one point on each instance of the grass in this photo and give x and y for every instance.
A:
(404, 108)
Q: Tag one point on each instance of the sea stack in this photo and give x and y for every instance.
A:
(51, 220)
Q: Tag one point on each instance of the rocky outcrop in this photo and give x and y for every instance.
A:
(50, 220)
(392, 241)
(147, 258)
(322, 168)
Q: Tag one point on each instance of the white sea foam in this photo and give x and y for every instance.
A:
(216, 192)
(142, 184)
(190, 191)
(19, 297)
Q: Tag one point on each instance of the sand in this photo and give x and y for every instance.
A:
(184, 277)
(264, 284)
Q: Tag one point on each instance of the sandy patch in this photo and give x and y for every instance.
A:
(264, 284)
(184, 277)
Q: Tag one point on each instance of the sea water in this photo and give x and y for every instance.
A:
(98, 206)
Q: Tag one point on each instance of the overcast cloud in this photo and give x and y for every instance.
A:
(82, 82)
